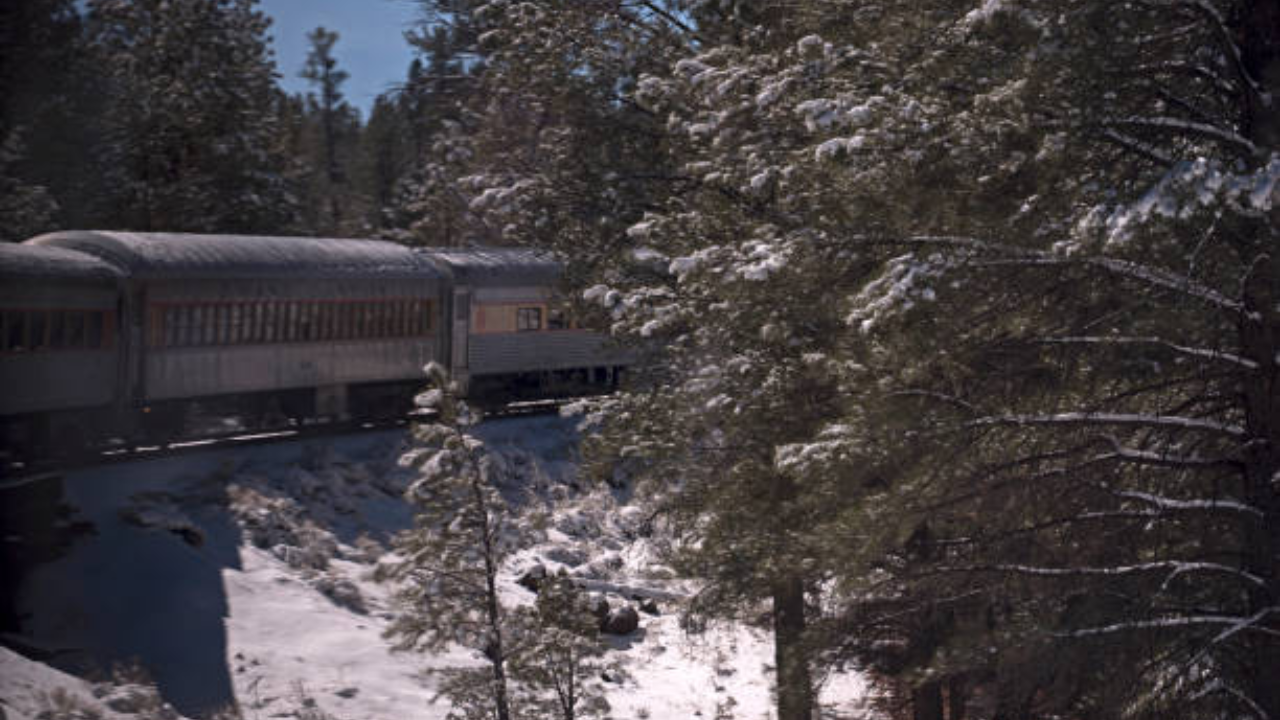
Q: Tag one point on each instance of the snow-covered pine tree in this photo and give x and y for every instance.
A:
(561, 663)
(189, 120)
(447, 565)
(1069, 377)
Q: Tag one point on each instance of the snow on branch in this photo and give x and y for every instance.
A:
(1173, 124)
(1173, 567)
(1168, 503)
(1130, 340)
(1142, 273)
(1235, 624)
(1122, 419)
(1163, 279)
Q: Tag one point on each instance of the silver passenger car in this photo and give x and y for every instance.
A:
(146, 336)
(511, 339)
(58, 344)
(290, 326)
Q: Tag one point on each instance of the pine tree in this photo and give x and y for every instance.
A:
(561, 661)
(463, 531)
(332, 208)
(189, 127)
(49, 120)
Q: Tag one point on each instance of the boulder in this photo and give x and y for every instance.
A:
(598, 605)
(533, 578)
(649, 606)
(622, 621)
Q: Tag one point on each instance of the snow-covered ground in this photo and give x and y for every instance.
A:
(246, 577)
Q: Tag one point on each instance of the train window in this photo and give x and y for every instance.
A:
(221, 324)
(330, 321)
(210, 326)
(195, 333)
(322, 321)
(182, 332)
(306, 325)
(395, 309)
(98, 330)
(259, 321)
(528, 318)
(302, 321)
(234, 326)
(269, 321)
(57, 323)
(15, 330)
(556, 320)
(38, 329)
(75, 329)
(168, 326)
(343, 311)
(288, 321)
(415, 317)
(249, 323)
(366, 320)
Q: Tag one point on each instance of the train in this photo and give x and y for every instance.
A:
(130, 337)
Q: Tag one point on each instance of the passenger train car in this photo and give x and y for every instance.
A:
(136, 335)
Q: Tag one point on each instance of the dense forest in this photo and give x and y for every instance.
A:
(959, 319)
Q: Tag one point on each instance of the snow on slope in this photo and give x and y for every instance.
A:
(32, 691)
(252, 581)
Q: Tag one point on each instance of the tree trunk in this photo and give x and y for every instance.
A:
(1257, 30)
(926, 702)
(795, 685)
(1260, 335)
(957, 697)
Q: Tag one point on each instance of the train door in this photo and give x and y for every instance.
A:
(460, 367)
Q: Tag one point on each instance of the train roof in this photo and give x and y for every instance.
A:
(45, 262)
(499, 266)
(180, 255)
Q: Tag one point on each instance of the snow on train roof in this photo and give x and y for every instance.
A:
(42, 261)
(492, 265)
(244, 256)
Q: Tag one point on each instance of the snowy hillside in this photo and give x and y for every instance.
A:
(250, 581)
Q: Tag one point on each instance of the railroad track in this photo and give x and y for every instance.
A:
(15, 472)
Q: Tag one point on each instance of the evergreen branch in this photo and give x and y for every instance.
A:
(1121, 419)
(1178, 125)
(1166, 503)
(1156, 277)
(1175, 568)
(1236, 624)
(1137, 146)
(1133, 340)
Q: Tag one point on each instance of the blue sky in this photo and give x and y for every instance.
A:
(371, 45)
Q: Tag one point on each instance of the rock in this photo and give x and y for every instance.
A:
(342, 592)
(533, 578)
(568, 556)
(622, 621)
(649, 606)
(347, 693)
(598, 606)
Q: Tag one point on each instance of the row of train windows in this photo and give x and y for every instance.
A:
(244, 323)
(28, 330)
